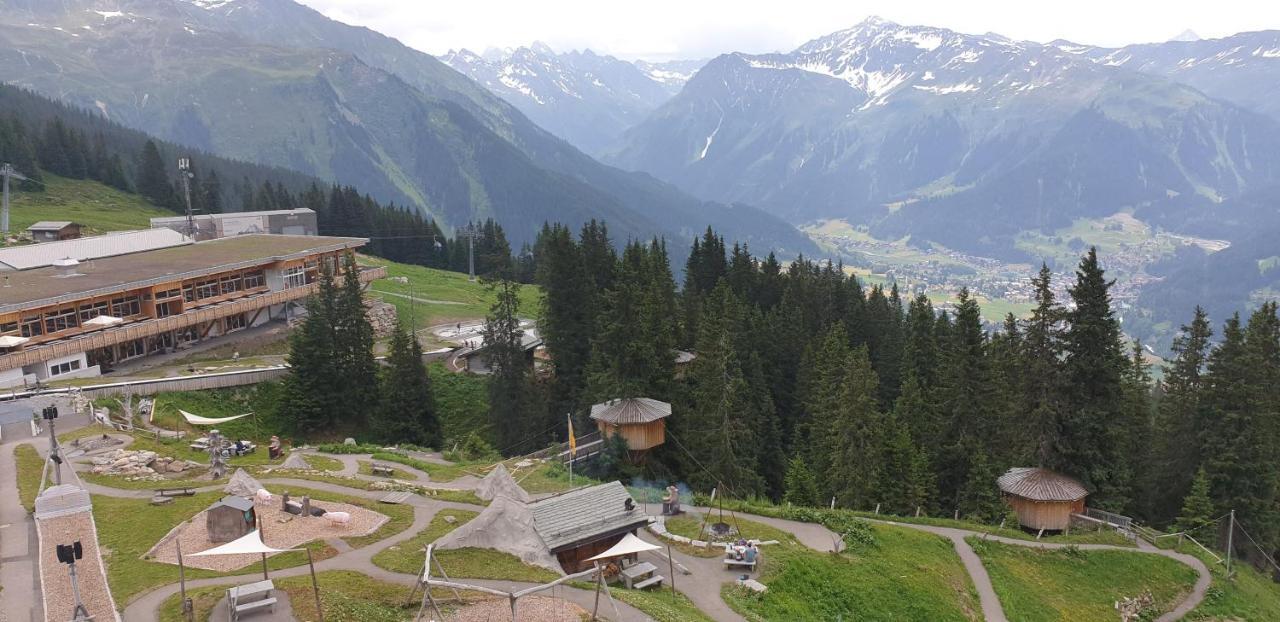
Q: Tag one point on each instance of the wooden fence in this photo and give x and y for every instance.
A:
(160, 385)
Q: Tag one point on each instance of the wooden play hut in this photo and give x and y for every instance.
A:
(641, 421)
(230, 518)
(1042, 498)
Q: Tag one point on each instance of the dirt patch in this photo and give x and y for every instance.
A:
(531, 609)
(283, 531)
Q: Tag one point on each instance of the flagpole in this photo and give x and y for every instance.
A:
(573, 446)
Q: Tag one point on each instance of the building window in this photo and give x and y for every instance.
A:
(295, 277)
(164, 310)
(230, 284)
(235, 322)
(8, 328)
(254, 280)
(173, 293)
(90, 311)
(64, 368)
(207, 289)
(60, 320)
(127, 306)
(189, 293)
(132, 349)
(32, 327)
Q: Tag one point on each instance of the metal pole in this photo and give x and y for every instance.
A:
(599, 579)
(471, 255)
(54, 454)
(315, 586)
(4, 214)
(262, 537)
(184, 166)
(1231, 530)
(671, 562)
(187, 612)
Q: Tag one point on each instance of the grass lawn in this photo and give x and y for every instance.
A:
(118, 481)
(548, 477)
(128, 528)
(906, 575)
(366, 468)
(436, 296)
(456, 496)
(690, 526)
(1249, 595)
(441, 473)
(345, 595)
(29, 464)
(97, 207)
(323, 463)
(462, 400)
(407, 557)
(659, 605)
(1078, 536)
(1072, 585)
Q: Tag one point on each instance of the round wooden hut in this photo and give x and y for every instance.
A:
(1042, 498)
(641, 421)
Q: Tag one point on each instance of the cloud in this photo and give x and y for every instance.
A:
(660, 29)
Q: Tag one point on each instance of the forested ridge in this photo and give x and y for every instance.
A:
(810, 386)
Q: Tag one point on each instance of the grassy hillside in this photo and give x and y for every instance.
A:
(97, 207)
(1072, 585)
(905, 575)
(437, 296)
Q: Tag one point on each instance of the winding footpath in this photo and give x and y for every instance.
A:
(702, 586)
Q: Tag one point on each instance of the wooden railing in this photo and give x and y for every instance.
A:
(146, 328)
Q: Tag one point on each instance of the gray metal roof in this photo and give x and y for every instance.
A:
(585, 513)
(50, 225)
(1039, 484)
(239, 503)
(84, 249)
(169, 220)
(631, 410)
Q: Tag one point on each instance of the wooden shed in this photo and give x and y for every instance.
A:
(641, 421)
(1042, 498)
(230, 518)
(582, 523)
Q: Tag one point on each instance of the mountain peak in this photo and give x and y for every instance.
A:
(542, 48)
(1187, 35)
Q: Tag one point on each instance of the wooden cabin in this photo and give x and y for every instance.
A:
(1042, 498)
(230, 518)
(641, 421)
(582, 523)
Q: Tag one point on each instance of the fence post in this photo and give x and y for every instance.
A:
(877, 509)
(957, 517)
(917, 511)
(833, 503)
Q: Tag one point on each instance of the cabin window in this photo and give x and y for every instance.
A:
(207, 289)
(132, 349)
(254, 280)
(60, 320)
(295, 277)
(64, 368)
(32, 327)
(189, 293)
(8, 328)
(126, 306)
(92, 310)
(230, 284)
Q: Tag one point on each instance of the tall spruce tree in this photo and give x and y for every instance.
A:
(1091, 443)
(407, 410)
(1042, 383)
(511, 399)
(153, 179)
(1180, 416)
(353, 346)
(314, 376)
(855, 437)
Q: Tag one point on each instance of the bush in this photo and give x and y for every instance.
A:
(339, 448)
(474, 448)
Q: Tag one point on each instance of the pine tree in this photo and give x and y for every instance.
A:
(313, 377)
(964, 400)
(906, 478)
(510, 387)
(153, 180)
(801, 488)
(855, 437)
(1180, 416)
(1094, 367)
(353, 346)
(818, 388)
(979, 499)
(1042, 384)
(565, 315)
(407, 412)
(1197, 507)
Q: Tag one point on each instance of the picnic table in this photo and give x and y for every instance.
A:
(200, 444)
(256, 596)
(640, 576)
(382, 469)
(731, 557)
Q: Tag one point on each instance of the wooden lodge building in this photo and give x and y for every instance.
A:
(79, 318)
(641, 421)
(580, 524)
(1042, 498)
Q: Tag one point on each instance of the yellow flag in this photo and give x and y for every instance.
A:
(573, 442)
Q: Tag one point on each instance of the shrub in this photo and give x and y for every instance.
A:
(339, 448)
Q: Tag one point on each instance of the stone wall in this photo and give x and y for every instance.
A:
(382, 316)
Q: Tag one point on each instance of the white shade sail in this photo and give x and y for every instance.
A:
(628, 545)
(198, 420)
(102, 320)
(249, 543)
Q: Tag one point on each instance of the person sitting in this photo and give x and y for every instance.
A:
(240, 448)
(751, 553)
(273, 448)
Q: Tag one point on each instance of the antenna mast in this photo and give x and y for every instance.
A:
(184, 171)
(6, 170)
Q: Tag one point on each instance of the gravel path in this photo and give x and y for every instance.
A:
(18, 546)
(55, 577)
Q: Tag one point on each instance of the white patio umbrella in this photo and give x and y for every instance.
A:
(629, 544)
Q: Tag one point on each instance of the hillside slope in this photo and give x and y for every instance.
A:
(97, 208)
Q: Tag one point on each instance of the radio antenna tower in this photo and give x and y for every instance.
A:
(6, 170)
(184, 171)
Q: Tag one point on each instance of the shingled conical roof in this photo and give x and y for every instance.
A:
(630, 411)
(1039, 484)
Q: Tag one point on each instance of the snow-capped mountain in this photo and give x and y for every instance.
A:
(963, 139)
(1242, 69)
(586, 98)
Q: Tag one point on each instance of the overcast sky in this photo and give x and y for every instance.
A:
(665, 29)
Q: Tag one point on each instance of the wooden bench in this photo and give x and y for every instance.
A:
(175, 492)
(730, 562)
(251, 597)
(382, 469)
